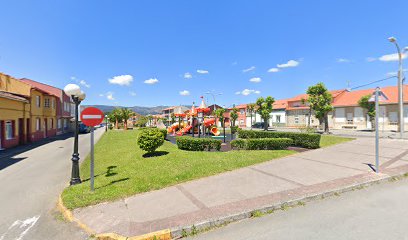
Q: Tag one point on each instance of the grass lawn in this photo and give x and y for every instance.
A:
(121, 170)
(328, 140)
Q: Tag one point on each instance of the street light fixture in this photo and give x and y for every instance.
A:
(400, 88)
(213, 94)
(77, 96)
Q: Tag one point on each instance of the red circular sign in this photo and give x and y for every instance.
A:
(91, 116)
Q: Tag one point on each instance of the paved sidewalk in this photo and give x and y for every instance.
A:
(267, 184)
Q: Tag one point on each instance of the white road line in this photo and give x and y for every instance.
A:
(21, 225)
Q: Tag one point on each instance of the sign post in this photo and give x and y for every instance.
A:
(376, 97)
(92, 117)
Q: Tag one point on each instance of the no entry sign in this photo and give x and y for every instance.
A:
(91, 116)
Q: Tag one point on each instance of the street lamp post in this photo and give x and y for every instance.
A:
(213, 94)
(400, 88)
(77, 96)
(106, 121)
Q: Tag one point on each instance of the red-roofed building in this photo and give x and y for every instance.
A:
(64, 107)
(348, 114)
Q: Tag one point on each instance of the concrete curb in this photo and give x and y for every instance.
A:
(179, 232)
(159, 235)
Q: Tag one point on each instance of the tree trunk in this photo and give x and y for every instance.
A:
(326, 123)
(310, 116)
(116, 123)
(251, 121)
(265, 124)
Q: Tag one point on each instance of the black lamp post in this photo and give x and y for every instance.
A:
(106, 123)
(77, 96)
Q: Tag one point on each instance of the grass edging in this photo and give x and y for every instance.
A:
(180, 232)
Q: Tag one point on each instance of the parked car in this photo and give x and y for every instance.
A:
(259, 125)
(83, 128)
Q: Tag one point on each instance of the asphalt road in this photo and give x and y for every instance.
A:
(376, 212)
(30, 183)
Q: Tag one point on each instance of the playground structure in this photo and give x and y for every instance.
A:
(194, 122)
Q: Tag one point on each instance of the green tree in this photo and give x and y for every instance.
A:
(219, 113)
(150, 139)
(264, 108)
(320, 100)
(173, 118)
(370, 107)
(233, 116)
(251, 108)
(115, 117)
(150, 120)
(125, 115)
(141, 122)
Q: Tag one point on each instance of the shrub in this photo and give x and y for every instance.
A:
(262, 143)
(306, 140)
(150, 140)
(163, 131)
(234, 129)
(198, 144)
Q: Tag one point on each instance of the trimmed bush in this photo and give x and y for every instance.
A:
(198, 144)
(163, 131)
(262, 143)
(234, 129)
(150, 140)
(306, 140)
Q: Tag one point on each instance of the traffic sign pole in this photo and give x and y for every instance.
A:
(92, 160)
(92, 117)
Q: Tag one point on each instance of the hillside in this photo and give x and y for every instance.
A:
(137, 109)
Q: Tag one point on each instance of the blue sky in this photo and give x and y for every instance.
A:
(144, 52)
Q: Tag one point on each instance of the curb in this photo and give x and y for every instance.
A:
(159, 235)
(179, 232)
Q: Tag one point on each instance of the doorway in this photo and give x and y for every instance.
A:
(21, 131)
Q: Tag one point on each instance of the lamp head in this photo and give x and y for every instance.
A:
(81, 96)
(72, 90)
(392, 39)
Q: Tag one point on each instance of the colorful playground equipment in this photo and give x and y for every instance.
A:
(188, 122)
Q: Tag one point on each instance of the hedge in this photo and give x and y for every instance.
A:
(306, 140)
(198, 144)
(262, 143)
(163, 131)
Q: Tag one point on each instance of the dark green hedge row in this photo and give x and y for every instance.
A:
(261, 143)
(306, 140)
(198, 144)
(163, 131)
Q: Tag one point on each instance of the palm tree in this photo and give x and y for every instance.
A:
(251, 108)
(115, 117)
(125, 115)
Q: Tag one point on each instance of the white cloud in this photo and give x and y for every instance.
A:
(188, 75)
(255, 80)
(343, 60)
(371, 59)
(151, 81)
(109, 96)
(122, 80)
(132, 93)
(84, 83)
(184, 93)
(249, 69)
(396, 73)
(391, 57)
(200, 71)
(101, 95)
(246, 92)
(81, 82)
(290, 63)
(273, 70)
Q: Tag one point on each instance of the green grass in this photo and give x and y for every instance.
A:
(121, 170)
(328, 140)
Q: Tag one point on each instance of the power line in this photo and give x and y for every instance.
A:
(364, 85)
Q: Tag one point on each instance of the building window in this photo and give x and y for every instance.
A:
(9, 130)
(242, 111)
(47, 102)
(59, 123)
(38, 101)
(53, 103)
(38, 124)
(52, 123)
(296, 119)
(278, 118)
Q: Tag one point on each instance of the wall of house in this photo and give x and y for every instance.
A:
(12, 85)
(13, 111)
(300, 117)
(278, 118)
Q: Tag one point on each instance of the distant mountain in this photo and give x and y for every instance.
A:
(137, 109)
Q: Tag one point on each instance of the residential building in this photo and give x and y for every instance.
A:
(348, 114)
(55, 101)
(278, 115)
(168, 112)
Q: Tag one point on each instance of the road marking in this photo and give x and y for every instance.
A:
(21, 227)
